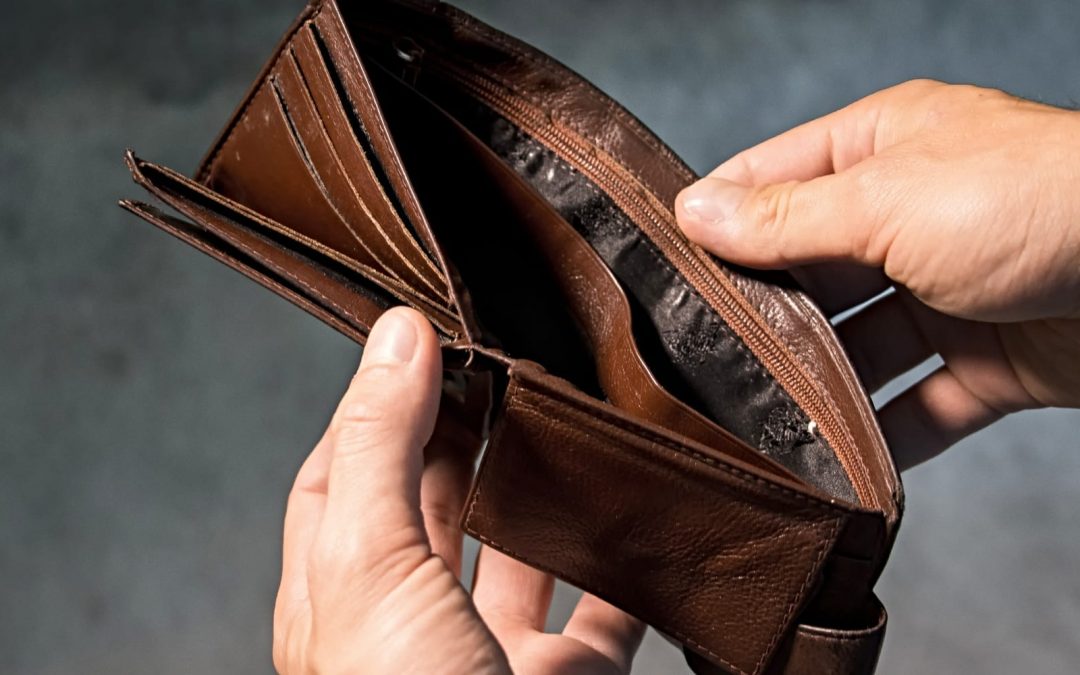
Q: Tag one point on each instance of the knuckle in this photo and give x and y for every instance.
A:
(772, 208)
(361, 411)
(363, 423)
(920, 85)
(441, 513)
(863, 197)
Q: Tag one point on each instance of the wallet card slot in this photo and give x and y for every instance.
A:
(213, 210)
(293, 279)
(359, 180)
(326, 172)
(347, 71)
(314, 49)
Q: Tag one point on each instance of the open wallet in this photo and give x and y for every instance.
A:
(682, 438)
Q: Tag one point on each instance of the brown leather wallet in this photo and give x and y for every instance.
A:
(682, 438)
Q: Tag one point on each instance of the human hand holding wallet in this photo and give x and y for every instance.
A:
(681, 438)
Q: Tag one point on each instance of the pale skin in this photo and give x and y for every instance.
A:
(966, 200)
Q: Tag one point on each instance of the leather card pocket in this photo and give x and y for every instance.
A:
(240, 225)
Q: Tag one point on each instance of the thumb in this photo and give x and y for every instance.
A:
(378, 434)
(780, 225)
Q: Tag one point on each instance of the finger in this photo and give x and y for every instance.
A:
(932, 415)
(830, 218)
(800, 197)
(510, 596)
(303, 514)
(837, 287)
(884, 340)
(607, 629)
(448, 468)
(829, 144)
(372, 512)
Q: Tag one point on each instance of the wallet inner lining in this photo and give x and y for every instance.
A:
(691, 351)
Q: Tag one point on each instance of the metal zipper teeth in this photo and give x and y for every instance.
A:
(582, 156)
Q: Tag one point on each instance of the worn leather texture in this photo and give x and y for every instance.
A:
(684, 439)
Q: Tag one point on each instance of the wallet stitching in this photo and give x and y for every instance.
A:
(393, 161)
(797, 599)
(300, 147)
(539, 389)
(849, 378)
(496, 437)
(828, 341)
(534, 409)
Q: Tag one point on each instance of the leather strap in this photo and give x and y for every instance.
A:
(814, 650)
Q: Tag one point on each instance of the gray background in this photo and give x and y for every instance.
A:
(154, 405)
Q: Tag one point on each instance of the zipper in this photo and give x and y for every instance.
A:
(654, 220)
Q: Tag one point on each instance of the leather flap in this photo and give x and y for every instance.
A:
(718, 556)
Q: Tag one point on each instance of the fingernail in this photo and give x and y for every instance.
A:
(713, 200)
(392, 340)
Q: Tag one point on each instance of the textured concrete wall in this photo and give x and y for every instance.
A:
(154, 405)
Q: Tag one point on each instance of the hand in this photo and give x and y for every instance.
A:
(968, 201)
(372, 549)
